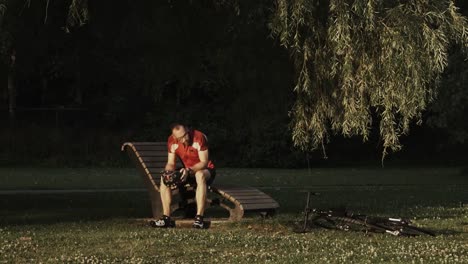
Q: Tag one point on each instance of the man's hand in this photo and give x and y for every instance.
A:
(185, 173)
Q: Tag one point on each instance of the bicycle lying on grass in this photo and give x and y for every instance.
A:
(341, 219)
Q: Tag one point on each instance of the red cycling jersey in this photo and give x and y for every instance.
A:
(189, 153)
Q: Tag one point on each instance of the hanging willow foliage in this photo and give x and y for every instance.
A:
(77, 13)
(361, 58)
(5, 37)
(3, 9)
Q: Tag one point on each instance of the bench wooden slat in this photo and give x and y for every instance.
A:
(260, 206)
(256, 201)
(160, 165)
(151, 147)
(230, 189)
(156, 164)
(249, 196)
(255, 196)
(153, 159)
(241, 190)
(149, 153)
(245, 193)
(258, 198)
(155, 171)
(236, 188)
(147, 143)
(236, 193)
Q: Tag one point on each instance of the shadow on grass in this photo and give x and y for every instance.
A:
(54, 208)
(26, 209)
(439, 202)
(380, 200)
(447, 232)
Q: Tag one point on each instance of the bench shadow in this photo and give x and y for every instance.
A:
(43, 209)
(27, 209)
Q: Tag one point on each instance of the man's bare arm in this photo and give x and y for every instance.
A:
(171, 160)
(203, 156)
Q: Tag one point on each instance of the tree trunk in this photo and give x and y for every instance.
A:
(78, 94)
(12, 88)
(45, 86)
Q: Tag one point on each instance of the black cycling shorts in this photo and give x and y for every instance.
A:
(192, 180)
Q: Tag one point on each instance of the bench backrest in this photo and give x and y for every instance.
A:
(150, 158)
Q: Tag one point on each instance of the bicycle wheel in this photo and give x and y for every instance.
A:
(299, 227)
(347, 224)
(402, 228)
(303, 225)
(325, 222)
(409, 230)
(317, 218)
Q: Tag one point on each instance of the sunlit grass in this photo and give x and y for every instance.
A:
(121, 240)
(104, 227)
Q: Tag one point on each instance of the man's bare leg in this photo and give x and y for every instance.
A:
(201, 177)
(166, 198)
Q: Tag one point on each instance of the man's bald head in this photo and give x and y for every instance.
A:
(179, 131)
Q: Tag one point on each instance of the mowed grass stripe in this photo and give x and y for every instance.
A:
(114, 178)
(97, 227)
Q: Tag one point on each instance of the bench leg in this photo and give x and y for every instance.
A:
(156, 204)
(187, 202)
(153, 190)
(236, 212)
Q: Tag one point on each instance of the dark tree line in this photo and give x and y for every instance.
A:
(82, 89)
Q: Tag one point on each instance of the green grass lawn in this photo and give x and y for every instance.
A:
(103, 227)
(65, 178)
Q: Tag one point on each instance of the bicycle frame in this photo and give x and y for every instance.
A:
(345, 220)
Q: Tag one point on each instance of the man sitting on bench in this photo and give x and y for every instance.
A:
(191, 147)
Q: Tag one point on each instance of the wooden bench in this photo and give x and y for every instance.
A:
(150, 159)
